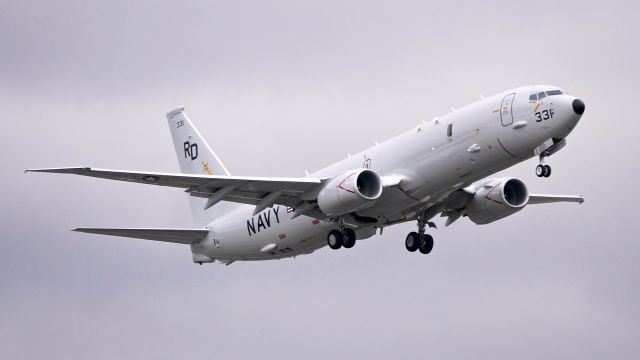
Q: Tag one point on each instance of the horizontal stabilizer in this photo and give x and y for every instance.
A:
(179, 236)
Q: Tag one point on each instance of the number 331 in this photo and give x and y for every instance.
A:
(544, 115)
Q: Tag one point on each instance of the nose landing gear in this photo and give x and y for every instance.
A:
(543, 170)
(546, 149)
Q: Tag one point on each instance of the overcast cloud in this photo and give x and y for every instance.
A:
(279, 87)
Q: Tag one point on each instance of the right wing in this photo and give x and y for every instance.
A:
(180, 236)
(544, 198)
(454, 206)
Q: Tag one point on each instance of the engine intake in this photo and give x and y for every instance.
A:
(496, 199)
(350, 191)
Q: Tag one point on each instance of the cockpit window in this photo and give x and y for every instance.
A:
(542, 95)
(554, 92)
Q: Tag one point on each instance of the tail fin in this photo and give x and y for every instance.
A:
(196, 157)
(194, 154)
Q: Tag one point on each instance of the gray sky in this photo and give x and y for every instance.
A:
(285, 86)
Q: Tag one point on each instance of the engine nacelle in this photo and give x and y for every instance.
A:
(496, 199)
(350, 191)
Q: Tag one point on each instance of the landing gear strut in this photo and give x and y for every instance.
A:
(543, 170)
(419, 240)
(343, 236)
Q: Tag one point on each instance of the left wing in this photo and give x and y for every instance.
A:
(260, 191)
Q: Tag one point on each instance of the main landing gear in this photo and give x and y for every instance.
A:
(419, 240)
(345, 237)
(415, 242)
(341, 237)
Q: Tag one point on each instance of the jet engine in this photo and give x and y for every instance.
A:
(350, 191)
(496, 199)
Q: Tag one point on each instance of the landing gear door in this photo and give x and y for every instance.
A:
(506, 110)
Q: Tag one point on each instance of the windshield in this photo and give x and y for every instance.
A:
(544, 94)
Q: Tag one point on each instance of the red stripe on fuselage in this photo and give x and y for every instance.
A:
(505, 149)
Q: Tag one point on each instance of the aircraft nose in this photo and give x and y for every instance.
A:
(578, 106)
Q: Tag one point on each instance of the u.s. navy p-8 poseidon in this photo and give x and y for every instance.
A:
(439, 167)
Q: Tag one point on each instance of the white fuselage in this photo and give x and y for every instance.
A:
(433, 159)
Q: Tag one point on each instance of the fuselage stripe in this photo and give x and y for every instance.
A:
(505, 149)
(406, 193)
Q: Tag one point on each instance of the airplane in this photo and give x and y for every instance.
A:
(438, 167)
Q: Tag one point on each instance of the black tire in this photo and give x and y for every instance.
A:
(412, 242)
(426, 245)
(540, 169)
(335, 239)
(547, 171)
(349, 238)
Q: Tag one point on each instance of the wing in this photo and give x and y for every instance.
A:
(544, 199)
(179, 236)
(260, 191)
(454, 206)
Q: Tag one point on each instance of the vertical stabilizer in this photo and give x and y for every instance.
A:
(194, 154)
(196, 157)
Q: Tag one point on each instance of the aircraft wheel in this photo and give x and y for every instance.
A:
(334, 239)
(426, 245)
(540, 169)
(412, 242)
(349, 238)
(547, 171)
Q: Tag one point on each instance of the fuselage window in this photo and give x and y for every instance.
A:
(450, 130)
(554, 92)
(541, 96)
(533, 97)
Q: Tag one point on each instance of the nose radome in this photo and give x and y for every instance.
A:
(578, 106)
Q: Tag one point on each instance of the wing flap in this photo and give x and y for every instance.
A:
(179, 236)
